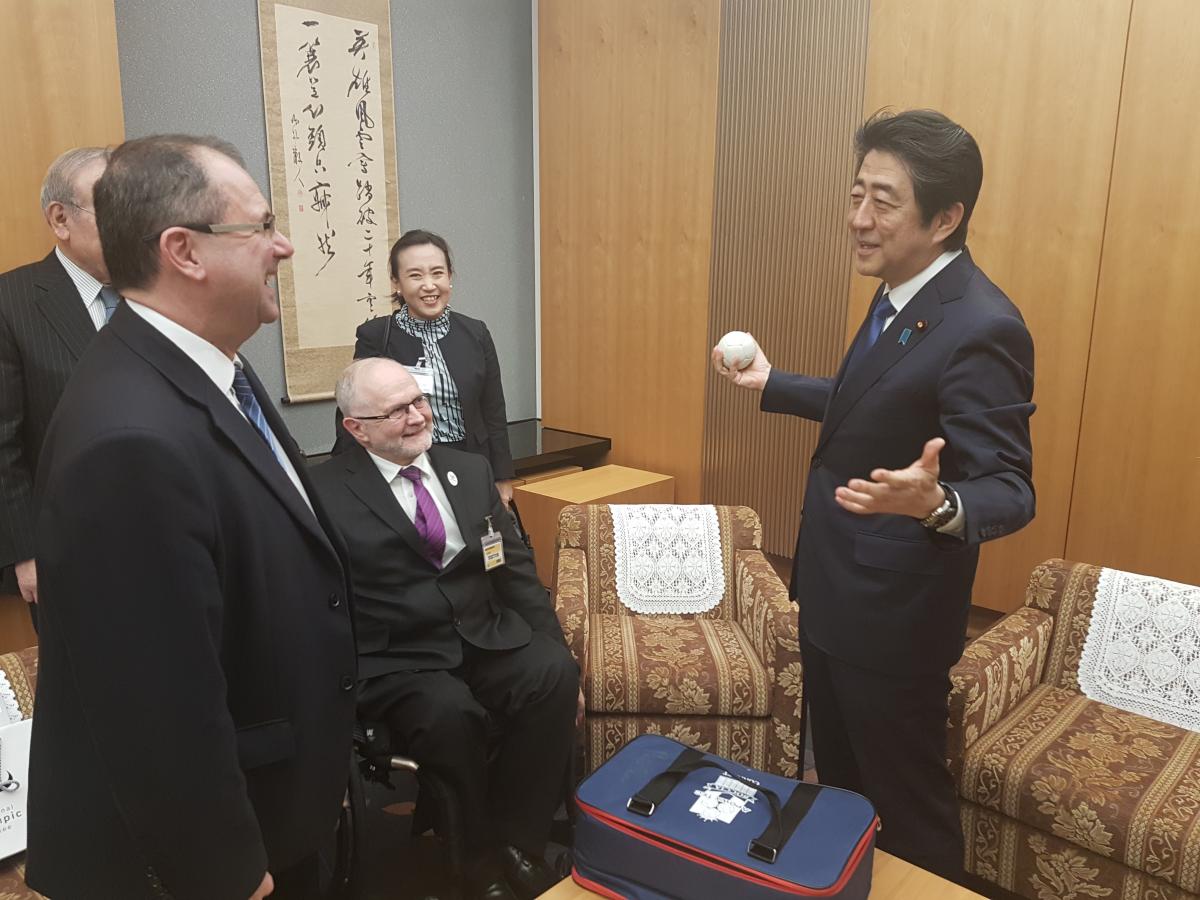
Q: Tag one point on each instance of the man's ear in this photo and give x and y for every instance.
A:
(355, 429)
(177, 250)
(946, 222)
(56, 218)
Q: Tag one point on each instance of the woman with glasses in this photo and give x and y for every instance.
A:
(456, 352)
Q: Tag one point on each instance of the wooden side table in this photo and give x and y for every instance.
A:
(541, 502)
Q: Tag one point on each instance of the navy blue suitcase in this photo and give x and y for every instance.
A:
(661, 820)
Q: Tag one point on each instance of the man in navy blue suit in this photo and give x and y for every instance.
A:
(923, 454)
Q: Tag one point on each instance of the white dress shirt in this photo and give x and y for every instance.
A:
(406, 496)
(89, 290)
(899, 296)
(219, 369)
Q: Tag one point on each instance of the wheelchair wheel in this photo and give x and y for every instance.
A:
(344, 854)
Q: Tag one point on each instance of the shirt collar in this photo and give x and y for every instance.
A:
(389, 470)
(902, 293)
(87, 286)
(215, 364)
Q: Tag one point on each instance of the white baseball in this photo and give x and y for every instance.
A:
(738, 349)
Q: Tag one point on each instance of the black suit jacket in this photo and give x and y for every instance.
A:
(409, 614)
(44, 329)
(470, 356)
(880, 591)
(195, 695)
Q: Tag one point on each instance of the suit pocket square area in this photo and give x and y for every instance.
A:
(919, 557)
(265, 743)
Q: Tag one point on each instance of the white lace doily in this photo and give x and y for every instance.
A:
(668, 558)
(1142, 652)
(10, 709)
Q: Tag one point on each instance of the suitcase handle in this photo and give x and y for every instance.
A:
(783, 822)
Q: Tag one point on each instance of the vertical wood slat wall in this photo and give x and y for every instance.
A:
(627, 113)
(64, 91)
(791, 89)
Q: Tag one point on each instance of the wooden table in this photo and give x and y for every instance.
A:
(541, 502)
(892, 879)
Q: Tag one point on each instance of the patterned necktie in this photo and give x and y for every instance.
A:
(882, 312)
(249, 404)
(429, 522)
(110, 299)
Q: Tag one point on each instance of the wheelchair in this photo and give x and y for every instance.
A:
(437, 808)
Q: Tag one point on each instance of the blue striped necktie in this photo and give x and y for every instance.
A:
(110, 298)
(882, 312)
(249, 404)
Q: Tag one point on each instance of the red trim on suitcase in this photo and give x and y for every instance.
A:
(693, 854)
(593, 886)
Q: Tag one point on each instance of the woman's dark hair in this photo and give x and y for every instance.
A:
(941, 158)
(418, 237)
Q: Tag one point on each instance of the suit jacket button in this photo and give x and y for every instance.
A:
(816, 462)
(347, 683)
(457, 622)
(334, 600)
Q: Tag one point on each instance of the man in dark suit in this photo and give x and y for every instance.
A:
(924, 453)
(49, 311)
(195, 699)
(455, 632)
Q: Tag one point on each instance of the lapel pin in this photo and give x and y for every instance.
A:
(452, 478)
(904, 336)
(921, 324)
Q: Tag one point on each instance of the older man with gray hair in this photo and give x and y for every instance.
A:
(49, 312)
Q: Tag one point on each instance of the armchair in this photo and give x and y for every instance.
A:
(1063, 797)
(726, 681)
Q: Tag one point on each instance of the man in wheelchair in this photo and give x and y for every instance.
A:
(457, 638)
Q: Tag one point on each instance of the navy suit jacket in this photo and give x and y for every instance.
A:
(880, 591)
(44, 330)
(195, 696)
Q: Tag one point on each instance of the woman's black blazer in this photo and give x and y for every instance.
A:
(470, 356)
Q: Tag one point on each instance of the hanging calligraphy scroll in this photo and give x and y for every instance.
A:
(331, 140)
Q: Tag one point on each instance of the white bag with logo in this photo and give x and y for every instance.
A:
(14, 785)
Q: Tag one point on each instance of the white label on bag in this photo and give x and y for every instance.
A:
(14, 785)
(723, 799)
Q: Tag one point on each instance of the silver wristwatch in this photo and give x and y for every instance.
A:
(944, 513)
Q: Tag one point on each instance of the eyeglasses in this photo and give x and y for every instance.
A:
(266, 225)
(90, 212)
(418, 403)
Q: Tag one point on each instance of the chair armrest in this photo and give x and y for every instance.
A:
(571, 602)
(771, 621)
(997, 671)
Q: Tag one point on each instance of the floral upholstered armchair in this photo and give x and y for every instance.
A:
(18, 678)
(1063, 797)
(726, 681)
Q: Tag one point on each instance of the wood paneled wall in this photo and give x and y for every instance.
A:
(64, 91)
(628, 96)
(1038, 85)
(1137, 484)
(791, 94)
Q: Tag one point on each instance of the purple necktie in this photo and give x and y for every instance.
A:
(429, 522)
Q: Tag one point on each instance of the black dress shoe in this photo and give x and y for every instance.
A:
(528, 876)
(497, 890)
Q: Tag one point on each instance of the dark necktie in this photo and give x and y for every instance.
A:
(110, 298)
(428, 520)
(249, 404)
(882, 312)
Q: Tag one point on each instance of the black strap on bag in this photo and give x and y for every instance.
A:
(520, 526)
(779, 830)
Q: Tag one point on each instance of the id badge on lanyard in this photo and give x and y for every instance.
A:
(493, 547)
(422, 373)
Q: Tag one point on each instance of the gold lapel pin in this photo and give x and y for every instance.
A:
(921, 324)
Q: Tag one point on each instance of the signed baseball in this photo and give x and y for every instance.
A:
(738, 349)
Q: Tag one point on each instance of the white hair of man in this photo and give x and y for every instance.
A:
(346, 392)
(59, 184)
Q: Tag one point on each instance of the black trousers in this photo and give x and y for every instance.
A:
(440, 718)
(883, 735)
